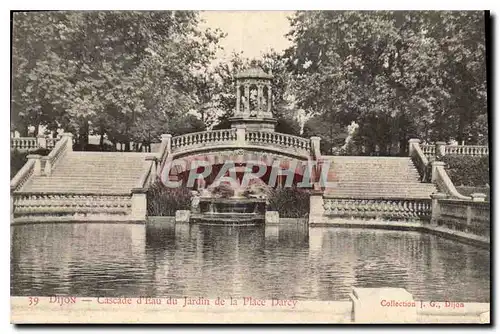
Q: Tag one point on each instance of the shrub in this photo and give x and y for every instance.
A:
(18, 159)
(164, 201)
(289, 202)
(468, 170)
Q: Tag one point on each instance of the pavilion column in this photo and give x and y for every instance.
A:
(247, 94)
(259, 98)
(238, 97)
(269, 97)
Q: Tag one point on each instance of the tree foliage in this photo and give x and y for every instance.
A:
(397, 74)
(120, 74)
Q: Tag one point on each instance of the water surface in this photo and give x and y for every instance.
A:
(289, 261)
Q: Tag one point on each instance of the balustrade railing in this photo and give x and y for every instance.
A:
(428, 150)
(22, 175)
(32, 143)
(388, 209)
(279, 140)
(471, 150)
(200, 139)
(464, 216)
(64, 145)
(241, 137)
(24, 143)
(419, 159)
(70, 204)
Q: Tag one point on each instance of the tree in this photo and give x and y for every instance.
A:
(385, 70)
(107, 72)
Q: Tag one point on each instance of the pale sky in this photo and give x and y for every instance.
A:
(253, 32)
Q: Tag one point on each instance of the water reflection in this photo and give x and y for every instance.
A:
(286, 261)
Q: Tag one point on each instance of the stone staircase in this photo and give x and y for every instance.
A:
(376, 177)
(376, 187)
(81, 186)
(98, 173)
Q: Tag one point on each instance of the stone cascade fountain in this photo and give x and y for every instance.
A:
(230, 202)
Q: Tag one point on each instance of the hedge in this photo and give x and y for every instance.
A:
(290, 202)
(164, 201)
(469, 171)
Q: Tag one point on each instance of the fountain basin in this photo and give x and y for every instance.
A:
(230, 211)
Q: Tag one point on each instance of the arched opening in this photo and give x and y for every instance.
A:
(253, 98)
(243, 98)
(264, 100)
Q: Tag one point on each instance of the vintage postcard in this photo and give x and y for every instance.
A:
(250, 167)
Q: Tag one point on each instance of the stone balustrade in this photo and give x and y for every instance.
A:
(279, 140)
(201, 139)
(430, 150)
(419, 158)
(25, 173)
(388, 209)
(70, 204)
(239, 137)
(26, 144)
(468, 216)
(62, 147)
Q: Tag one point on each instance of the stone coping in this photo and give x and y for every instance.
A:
(420, 226)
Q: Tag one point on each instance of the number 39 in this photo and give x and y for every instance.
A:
(33, 301)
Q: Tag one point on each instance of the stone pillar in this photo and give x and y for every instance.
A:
(182, 216)
(37, 169)
(247, 99)
(272, 217)
(259, 98)
(166, 140)
(478, 197)
(435, 166)
(316, 207)
(139, 204)
(41, 141)
(440, 146)
(411, 145)
(238, 96)
(69, 143)
(240, 135)
(383, 305)
(435, 213)
(315, 147)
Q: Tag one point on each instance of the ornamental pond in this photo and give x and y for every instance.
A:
(287, 261)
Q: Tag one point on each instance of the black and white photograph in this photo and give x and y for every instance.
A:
(250, 167)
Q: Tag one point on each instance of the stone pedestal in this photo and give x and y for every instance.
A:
(272, 217)
(411, 145)
(383, 305)
(316, 207)
(435, 166)
(435, 208)
(182, 216)
(139, 204)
